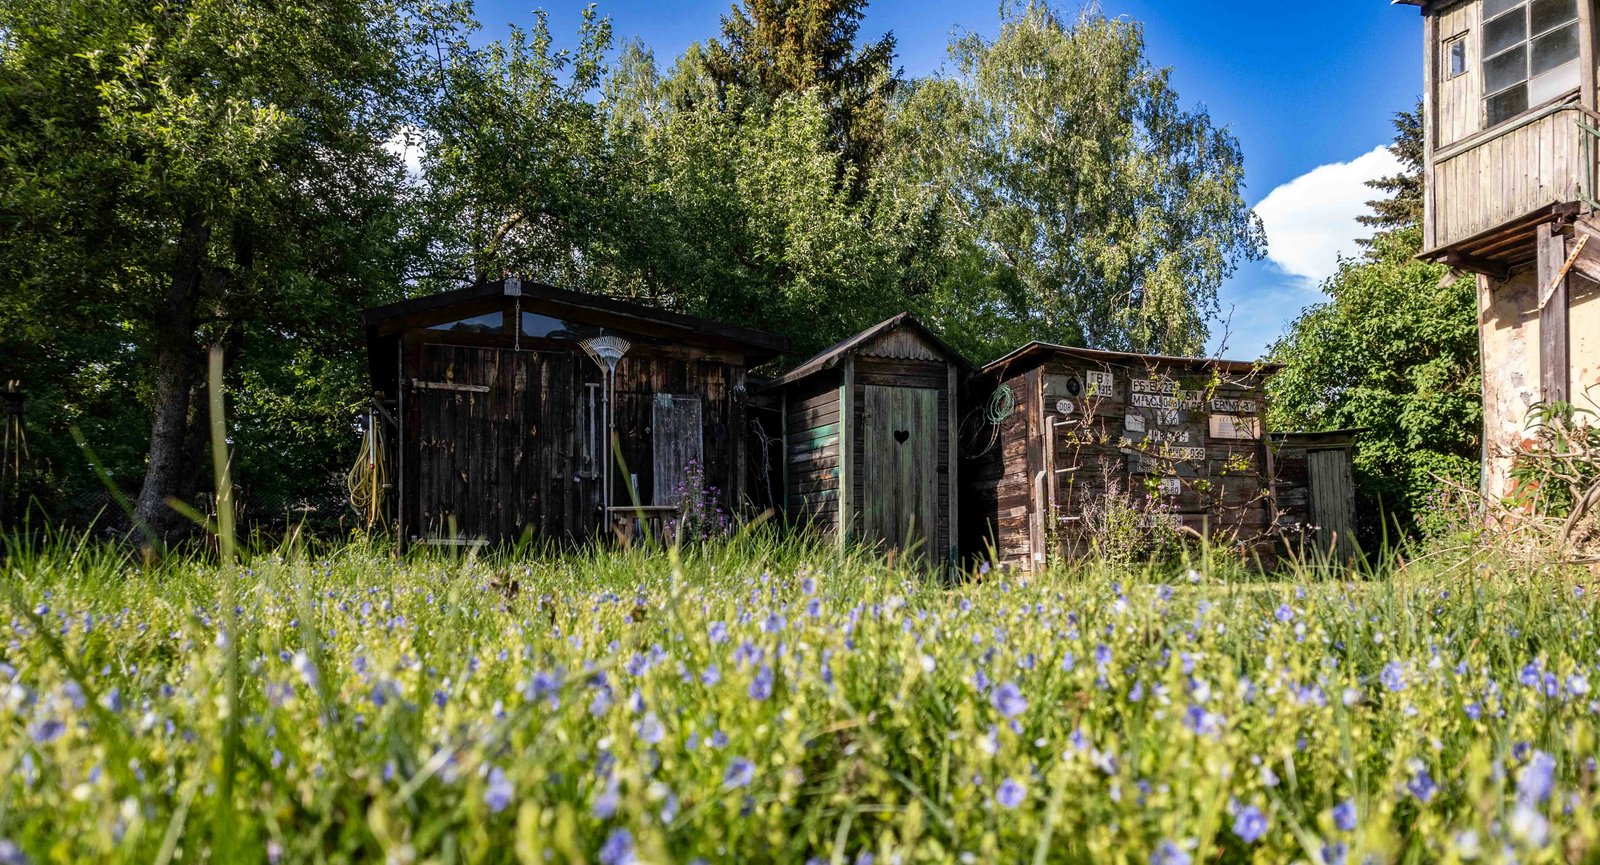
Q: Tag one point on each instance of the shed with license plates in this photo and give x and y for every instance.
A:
(1059, 438)
(869, 439)
(501, 418)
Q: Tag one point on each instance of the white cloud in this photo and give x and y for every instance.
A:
(408, 146)
(1311, 219)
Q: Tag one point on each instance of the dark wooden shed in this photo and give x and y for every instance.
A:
(1060, 437)
(869, 433)
(1316, 491)
(500, 413)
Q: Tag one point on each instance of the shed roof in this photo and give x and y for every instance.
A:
(1037, 352)
(833, 354)
(390, 318)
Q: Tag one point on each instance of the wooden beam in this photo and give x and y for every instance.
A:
(1474, 264)
(1430, 51)
(848, 424)
(1553, 357)
(952, 417)
(1586, 52)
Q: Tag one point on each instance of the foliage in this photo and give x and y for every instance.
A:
(777, 47)
(183, 176)
(1394, 350)
(1403, 206)
(779, 701)
(1079, 203)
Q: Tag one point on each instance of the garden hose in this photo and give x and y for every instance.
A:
(369, 477)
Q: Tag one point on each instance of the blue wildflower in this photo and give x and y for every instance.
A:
(1169, 853)
(649, 729)
(1421, 784)
(761, 685)
(618, 848)
(1011, 793)
(1008, 700)
(1344, 815)
(739, 774)
(500, 791)
(1537, 779)
(1249, 824)
(1284, 613)
(1393, 676)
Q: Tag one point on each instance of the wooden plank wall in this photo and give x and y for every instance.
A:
(811, 453)
(1481, 186)
(1066, 449)
(509, 460)
(1315, 493)
(1459, 104)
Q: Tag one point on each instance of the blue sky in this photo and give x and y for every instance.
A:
(1308, 87)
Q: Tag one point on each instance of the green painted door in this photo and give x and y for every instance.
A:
(900, 467)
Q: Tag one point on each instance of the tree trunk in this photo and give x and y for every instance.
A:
(171, 468)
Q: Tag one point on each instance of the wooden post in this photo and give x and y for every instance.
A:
(1430, 101)
(952, 419)
(1586, 52)
(1554, 366)
(783, 450)
(847, 448)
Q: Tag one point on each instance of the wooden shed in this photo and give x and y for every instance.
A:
(1062, 440)
(1315, 491)
(869, 435)
(500, 413)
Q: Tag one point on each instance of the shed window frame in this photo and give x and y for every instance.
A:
(1457, 56)
(1533, 88)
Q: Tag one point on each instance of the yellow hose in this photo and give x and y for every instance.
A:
(369, 477)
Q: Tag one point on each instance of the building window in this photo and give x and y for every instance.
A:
(1455, 57)
(1530, 51)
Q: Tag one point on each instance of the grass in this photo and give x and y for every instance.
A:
(773, 699)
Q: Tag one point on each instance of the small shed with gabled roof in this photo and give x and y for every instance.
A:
(869, 439)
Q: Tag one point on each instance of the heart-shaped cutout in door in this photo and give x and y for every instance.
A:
(901, 435)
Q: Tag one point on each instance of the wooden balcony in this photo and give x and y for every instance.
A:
(1487, 193)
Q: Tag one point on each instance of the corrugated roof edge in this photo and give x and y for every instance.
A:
(1037, 347)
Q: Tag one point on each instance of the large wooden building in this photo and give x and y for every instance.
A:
(1071, 439)
(1511, 138)
(869, 432)
(502, 416)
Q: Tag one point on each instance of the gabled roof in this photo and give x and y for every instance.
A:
(1037, 351)
(832, 355)
(759, 345)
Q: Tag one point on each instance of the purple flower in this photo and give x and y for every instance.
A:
(48, 730)
(1169, 853)
(649, 729)
(740, 773)
(1344, 815)
(1249, 824)
(1284, 613)
(500, 791)
(618, 848)
(761, 685)
(11, 854)
(1421, 784)
(1537, 780)
(1335, 853)
(1011, 793)
(1393, 676)
(1008, 700)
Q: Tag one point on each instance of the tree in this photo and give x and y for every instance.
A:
(1393, 350)
(777, 47)
(1403, 206)
(207, 173)
(1085, 205)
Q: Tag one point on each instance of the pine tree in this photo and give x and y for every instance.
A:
(1403, 206)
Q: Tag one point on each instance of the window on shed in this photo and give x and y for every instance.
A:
(489, 322)
(1455, 57)
(549, 327)
(1530, 50)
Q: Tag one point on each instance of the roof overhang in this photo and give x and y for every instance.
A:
(1038, 351)
(833, 355)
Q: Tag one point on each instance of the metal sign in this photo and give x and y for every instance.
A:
(1101, 383)
(1234, 406)
(1232, 426)
(1065, 406)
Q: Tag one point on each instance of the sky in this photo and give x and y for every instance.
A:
(1309, 88)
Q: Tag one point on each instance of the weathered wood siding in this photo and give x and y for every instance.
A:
(1517, 170)
(513, 459)
(922, 374)
(1459, 104)
(811, 459)
(1085, 436)
(1315, 493)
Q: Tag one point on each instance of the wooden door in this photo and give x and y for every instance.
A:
(900, 466)
(477, 444)
(1333, 509)
(677, 439)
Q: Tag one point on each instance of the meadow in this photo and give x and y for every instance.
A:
(768, 700)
